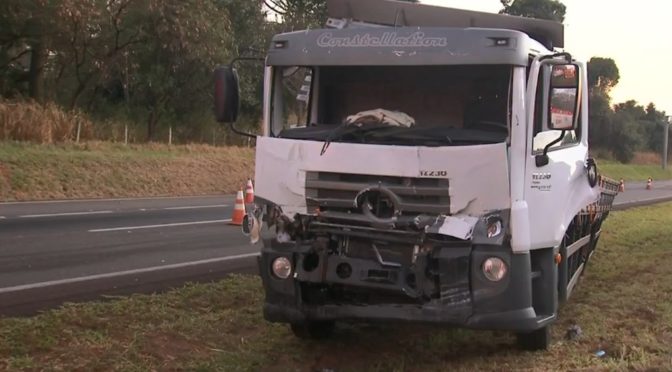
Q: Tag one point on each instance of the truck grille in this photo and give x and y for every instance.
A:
(337, 192)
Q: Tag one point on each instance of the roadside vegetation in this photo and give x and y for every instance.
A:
(622, 306)
(103, 169)
(643, 166)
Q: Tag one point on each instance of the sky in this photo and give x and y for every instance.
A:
(635, 34)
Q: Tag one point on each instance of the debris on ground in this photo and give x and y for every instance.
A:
(573, 332)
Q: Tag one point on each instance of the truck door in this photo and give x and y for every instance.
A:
(556, 184)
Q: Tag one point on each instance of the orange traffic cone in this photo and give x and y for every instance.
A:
(249, 192)
(238, 210)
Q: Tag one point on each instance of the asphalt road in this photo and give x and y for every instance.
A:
(50, 241)
(55, 251)
(68, 250)
(636, 194)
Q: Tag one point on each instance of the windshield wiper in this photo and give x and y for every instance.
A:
(440, 135)
(347, 129)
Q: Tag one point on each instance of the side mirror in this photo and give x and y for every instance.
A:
(564, 97)
(227, 96)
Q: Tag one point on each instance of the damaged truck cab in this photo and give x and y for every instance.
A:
(422, 164)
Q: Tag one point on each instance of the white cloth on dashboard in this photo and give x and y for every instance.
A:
(381, 116)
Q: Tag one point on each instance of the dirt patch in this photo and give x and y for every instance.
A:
(646, 313)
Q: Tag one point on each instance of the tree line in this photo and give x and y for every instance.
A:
(150, 62)
(147, 62)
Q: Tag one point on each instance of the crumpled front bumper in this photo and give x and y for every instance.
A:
(465, 298)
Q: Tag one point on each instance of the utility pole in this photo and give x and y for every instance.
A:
(665, 134)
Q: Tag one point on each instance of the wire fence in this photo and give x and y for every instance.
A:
(48, 123)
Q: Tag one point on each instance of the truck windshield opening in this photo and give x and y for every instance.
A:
(399, 105)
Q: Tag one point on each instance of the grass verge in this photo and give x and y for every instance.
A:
(634, 172)
(101, 169)
(622, 305)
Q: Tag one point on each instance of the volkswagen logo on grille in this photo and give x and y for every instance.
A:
(379, 204)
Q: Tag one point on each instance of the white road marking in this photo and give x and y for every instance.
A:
(64, 214)
(159, 226)
(123, 273)
(2, 217)
(198, 206)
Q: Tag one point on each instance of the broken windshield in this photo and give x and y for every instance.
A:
(401, 105)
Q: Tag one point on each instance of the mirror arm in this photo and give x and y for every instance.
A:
(240, 132)
(542, 159)
(238, 59)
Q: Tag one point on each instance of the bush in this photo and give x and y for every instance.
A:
(32, 122)
(626, 139)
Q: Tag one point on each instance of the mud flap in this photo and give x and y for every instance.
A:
(544, 281)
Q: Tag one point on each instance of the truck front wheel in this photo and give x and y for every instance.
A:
(535, 340)
(313, 330)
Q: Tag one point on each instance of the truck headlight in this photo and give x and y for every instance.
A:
(281, 267)
(494, 269)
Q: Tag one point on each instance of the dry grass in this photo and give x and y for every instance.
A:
(622, 304)
(101, 169)
(29, 121)
(647, 158)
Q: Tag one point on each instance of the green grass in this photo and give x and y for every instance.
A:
(633, 172)
(622, 304)
(100, 169)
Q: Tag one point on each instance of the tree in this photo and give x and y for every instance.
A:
(90, 38)
(654, 121)
(251, 35)
(24, 41)
(627, 135)
(552, 10)
(603, 74)
(636, 128)
(599, 117)
(145, 61)
(172, 70)
(299, 14)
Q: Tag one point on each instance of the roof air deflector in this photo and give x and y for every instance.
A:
(391, 12)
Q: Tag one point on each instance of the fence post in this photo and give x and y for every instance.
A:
(79, 130)
(126, 134)
(170, 135)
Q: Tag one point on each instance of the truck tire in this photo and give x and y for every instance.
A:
(313, 330)
(535, 340)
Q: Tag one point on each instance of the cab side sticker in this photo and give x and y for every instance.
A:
(433, 173)
(541, 181)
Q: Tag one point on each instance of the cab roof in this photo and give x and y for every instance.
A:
(402, 13)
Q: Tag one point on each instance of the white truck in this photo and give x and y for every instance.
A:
(422, 164)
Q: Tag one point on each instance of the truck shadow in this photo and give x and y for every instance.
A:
(396, 347)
